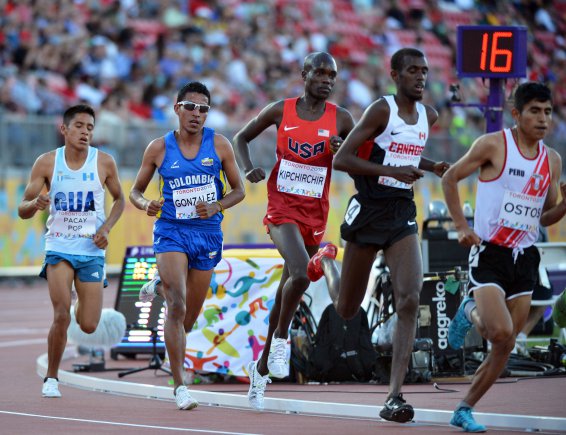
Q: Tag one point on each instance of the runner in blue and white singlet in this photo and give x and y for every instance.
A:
(77, 206)
(70, 182)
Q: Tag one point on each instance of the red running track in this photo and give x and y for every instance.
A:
(26, 316)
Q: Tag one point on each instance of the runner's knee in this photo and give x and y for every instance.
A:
(88, 326)
(300, 281)
(406, 305)
(62, 318)
(501, 335)
(176, 308)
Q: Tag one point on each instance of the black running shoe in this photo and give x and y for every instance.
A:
(397, 409)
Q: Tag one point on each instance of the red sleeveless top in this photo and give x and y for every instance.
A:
(298, 185)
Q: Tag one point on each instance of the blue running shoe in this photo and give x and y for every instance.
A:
(459, 327)
(463, 418)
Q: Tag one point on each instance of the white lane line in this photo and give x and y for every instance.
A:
(113, 423)
(23, 331)
(23, 342)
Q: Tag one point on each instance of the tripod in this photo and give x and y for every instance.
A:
(154, 364)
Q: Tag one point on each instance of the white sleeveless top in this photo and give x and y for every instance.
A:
(77, 207)
(508, 208)
(402, 143)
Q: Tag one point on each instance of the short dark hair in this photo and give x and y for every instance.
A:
(74, 110)
(529, 91)
(196, 87)
(398, 59)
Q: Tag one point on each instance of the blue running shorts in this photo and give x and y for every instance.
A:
(87, 267)
(203, 247)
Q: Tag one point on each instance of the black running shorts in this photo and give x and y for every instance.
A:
(515, 274)
(379, 222)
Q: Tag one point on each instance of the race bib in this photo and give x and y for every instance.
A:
(185, 200)
(353, 210)
(520, 211)
(300, 179)
(397, 159)
(71, 224)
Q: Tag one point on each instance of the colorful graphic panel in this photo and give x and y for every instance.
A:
(232, 326)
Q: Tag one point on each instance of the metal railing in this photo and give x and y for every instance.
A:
(23, 138)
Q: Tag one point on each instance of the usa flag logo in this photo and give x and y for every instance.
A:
(324, 133)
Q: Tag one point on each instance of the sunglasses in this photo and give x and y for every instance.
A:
(190, 106)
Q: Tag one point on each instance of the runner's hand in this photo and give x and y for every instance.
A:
(439, 168)
(101, 238)
(405, 174)
(468, 238)
(152, 207)
(42, 202)
(335, 142)
(256, 174)
(206, 210)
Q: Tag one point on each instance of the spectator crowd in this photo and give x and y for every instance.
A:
(127, 57)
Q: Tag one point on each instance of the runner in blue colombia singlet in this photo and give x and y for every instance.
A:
(184, 182)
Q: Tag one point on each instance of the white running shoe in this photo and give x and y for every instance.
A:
(184, 399)
(51, 388)
(257, 386)
(149, 289)
(277, 361)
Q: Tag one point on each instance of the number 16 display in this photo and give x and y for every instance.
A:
(492, 51)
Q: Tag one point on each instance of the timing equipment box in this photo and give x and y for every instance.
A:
(138, 268)
(440, 248)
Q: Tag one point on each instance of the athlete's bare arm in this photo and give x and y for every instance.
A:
(270, 115)
(36, 196)
(152, 159)
(110, 179)
(481, 156)
(373, 122)
(432, 115)
(230, 167)
(553, 211)
(438, 168)
(344, 125)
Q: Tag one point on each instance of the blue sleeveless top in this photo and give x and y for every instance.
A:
(183, 182)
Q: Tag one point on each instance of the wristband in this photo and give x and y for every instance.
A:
(221, 206)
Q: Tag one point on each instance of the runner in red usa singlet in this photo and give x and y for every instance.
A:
(297, 188)
(309, 131)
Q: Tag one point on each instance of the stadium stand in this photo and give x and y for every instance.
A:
(127, 57)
